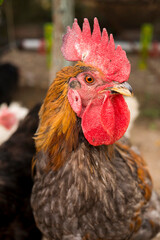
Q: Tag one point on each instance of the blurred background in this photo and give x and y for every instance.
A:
(30, 39)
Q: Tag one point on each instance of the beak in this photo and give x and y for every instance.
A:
(122, 88)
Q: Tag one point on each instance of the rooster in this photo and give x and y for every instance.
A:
(88, 185)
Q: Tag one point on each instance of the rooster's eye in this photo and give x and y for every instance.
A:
(89, 79)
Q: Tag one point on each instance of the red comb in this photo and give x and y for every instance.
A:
(96, 49)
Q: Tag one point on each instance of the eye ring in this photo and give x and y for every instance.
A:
(89, 79)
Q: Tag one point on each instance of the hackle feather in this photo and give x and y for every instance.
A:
(57, 134)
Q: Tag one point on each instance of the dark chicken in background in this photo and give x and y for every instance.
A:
(16, 218)
(88, 185)
(9, 79)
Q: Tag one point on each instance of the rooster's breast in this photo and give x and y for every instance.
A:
(90, 195)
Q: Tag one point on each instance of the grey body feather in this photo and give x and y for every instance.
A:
(89, 196)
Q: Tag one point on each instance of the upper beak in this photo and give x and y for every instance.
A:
(122, 88)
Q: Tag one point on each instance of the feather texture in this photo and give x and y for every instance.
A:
(57, 134)
(84, 190)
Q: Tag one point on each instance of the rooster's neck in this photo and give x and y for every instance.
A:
(57, 135)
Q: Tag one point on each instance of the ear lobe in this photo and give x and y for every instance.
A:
(75, 101)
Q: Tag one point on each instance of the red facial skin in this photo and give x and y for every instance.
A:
(105, 116)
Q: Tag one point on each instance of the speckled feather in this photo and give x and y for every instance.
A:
(92, 194)
(86, 192)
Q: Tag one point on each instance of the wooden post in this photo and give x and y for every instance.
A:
(10, 23)
(63, 15)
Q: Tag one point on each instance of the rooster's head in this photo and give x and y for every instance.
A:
(96, 93)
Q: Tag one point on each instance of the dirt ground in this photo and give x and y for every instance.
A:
(145, 134)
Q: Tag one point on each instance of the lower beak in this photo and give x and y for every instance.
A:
(122, 88)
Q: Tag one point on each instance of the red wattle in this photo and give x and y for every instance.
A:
(104, 121)
(122, 116)
(107, 117)
(91, 124)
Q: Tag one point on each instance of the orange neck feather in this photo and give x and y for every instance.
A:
(57, 134)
